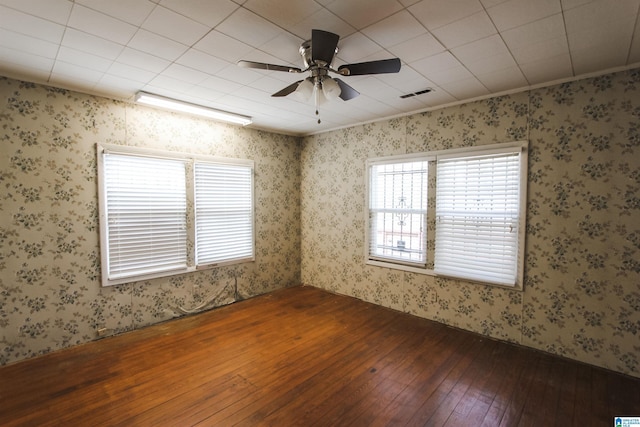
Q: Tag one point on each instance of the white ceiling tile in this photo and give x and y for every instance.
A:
(513, 13)
(202, 11)
(395, 29)
(322, 20)
(490, 3)
(202, 61)
(75, 81)
(249, 28)
(356, 47)
(83, 59)
(142, 60)
(285, 47)
(414, 49)
(27, 63)
(436, 63)
(157, 45)
(63, 71)
(52, 10)
(466, 88)
(466, 30)
(204, 93)
(570, 4)
(101, 25)
(174, 26)
(284, 13)
(133, 12)
(169, 83)
(603, 27)
(92, 44)
(22, 23)
(186, 74)
(547, 69)
(361, 13)
(541, 50)
(438, 13)
(240, 75)
(503, 79)
(223, 47)
(537, 40)
(138, 75)
(447, 76)
(28, 44)
(438, 97)
(220, 85)
(481, 49)
(547, 28)
(408, 80)
(116, 86)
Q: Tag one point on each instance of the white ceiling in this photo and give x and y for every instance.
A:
(188, 49)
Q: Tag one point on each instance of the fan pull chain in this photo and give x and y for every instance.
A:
(316, 92)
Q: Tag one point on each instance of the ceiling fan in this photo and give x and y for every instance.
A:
(317, 56)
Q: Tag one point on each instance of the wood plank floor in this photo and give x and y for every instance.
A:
(305, 357)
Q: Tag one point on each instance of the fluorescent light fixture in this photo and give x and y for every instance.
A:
(185, 107)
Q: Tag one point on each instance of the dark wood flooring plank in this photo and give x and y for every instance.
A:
(302, 356)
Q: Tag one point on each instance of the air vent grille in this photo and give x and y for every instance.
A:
(420, 92)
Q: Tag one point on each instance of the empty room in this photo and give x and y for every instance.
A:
(320, 212)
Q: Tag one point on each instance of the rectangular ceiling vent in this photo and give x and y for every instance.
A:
(420, 92)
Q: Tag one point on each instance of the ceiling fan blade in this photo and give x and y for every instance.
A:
(323, 46)
(373, 67)
(289, 89)
(346, 91)
(271, 67)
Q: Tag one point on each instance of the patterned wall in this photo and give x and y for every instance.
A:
(581, 297)
(50, 293)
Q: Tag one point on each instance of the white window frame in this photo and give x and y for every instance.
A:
(433, 157)
(191, 241)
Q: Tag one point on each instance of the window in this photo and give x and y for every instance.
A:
(472, 229)
(398, 212)
(168, 213)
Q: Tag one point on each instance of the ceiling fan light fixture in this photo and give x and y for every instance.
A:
(331, 89)
(304, 91)
(186, 107)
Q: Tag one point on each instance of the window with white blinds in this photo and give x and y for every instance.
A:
(146, 215)
(398, 212)
(472, 229)
(224, 213)
(478, 217)
(169, 213)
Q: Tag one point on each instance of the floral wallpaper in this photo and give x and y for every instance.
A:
(581, 297)
(50, 293)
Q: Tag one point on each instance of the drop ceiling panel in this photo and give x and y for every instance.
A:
(465, 30)
(174, 26)
(188, 49)
(514, 13)
(98, 24)
(132, 12)
(435, 14)
(200, 10)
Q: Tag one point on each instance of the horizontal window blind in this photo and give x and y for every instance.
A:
(477, 217)
(223, 212)
(145, 215)
(397, 212)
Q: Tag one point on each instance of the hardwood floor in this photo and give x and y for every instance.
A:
(305, 357)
